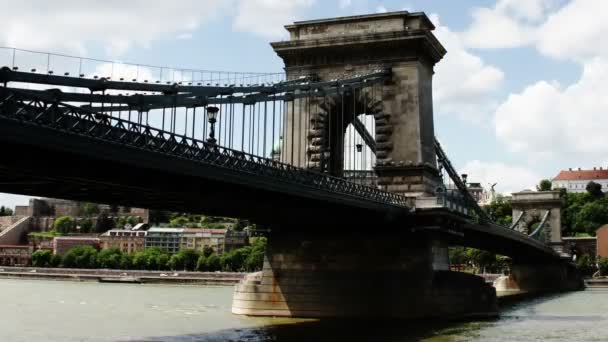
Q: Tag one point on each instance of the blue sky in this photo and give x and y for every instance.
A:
(519, 96)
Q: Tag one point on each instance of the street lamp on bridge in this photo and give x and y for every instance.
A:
(212, 116)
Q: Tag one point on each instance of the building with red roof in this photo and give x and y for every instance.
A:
(577, 180)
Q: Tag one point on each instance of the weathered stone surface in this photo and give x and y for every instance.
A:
(395, 276)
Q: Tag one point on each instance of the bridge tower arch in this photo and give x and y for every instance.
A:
(399, 42)
(530, 207)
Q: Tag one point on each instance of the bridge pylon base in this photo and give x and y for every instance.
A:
(388, 276)
(540, 278)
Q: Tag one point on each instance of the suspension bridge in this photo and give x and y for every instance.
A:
(338, 158)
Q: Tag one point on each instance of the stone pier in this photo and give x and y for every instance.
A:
(542, 277)
(356, 275)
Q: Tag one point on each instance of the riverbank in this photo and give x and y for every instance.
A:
(123, 276)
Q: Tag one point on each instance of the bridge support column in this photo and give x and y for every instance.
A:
(350, 275)
(540, 278)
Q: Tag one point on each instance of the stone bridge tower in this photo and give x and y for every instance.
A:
(529, 208)
(330, 49)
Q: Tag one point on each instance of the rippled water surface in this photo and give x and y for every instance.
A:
(71, 311)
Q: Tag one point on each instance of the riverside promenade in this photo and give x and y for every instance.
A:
(123, 276)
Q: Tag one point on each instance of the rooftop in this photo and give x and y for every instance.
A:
(569, 175)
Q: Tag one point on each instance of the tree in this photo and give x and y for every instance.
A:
(55, 260)
(179, 222)
(133, 220)
(213, 263)
(255, 259)
(42, 258)
(109, 258)
(201, 264)
(190, 258)
(235, 260)
(63, 224)
(86, 226)
(126, 262)
(500, 211)
(207, 251)
(591, 216)
(90, 209)
(595, 189)
(585, 265)
(176, 262)
(80, 257)
(544, 185)
(140, 260)
(603, 266)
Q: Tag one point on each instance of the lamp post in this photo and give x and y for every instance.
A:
(212, 116)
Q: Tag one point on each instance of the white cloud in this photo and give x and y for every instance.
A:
(118, 25)
(547, 120)
(493, 29)
(509, 24)
(381, 9)
(267, 17)
(72, 26)
(464, 84)
(568, 32)
(510, 178)
(576, 31)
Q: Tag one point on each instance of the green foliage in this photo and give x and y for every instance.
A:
(90, 209)
(234, 261)
(63, 224)
(212, 263)
(42, 258)
(255, 259)
(80, 257)
(126, 262)
(140, 260)
(109, 258)
(152, 259)
(121, 222)
(583, 213)
(4, 211)
(55, 260)
(132, 220)
(201, 263)
(481, 261)
(585, 265)
(86, 226)
(44, 235)
(179, 222)
(207, 251)
(500, 211)
(544, 185)
(603, 266)
(594, 189)
(176, 262)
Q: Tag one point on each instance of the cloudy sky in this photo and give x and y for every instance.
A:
(519, 96)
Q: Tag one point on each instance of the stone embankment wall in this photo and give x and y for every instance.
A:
(15, 233)
(136, 276)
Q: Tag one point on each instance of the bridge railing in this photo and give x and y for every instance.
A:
(44, 110)
(68, 65)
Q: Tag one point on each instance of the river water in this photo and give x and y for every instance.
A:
(37, 310)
